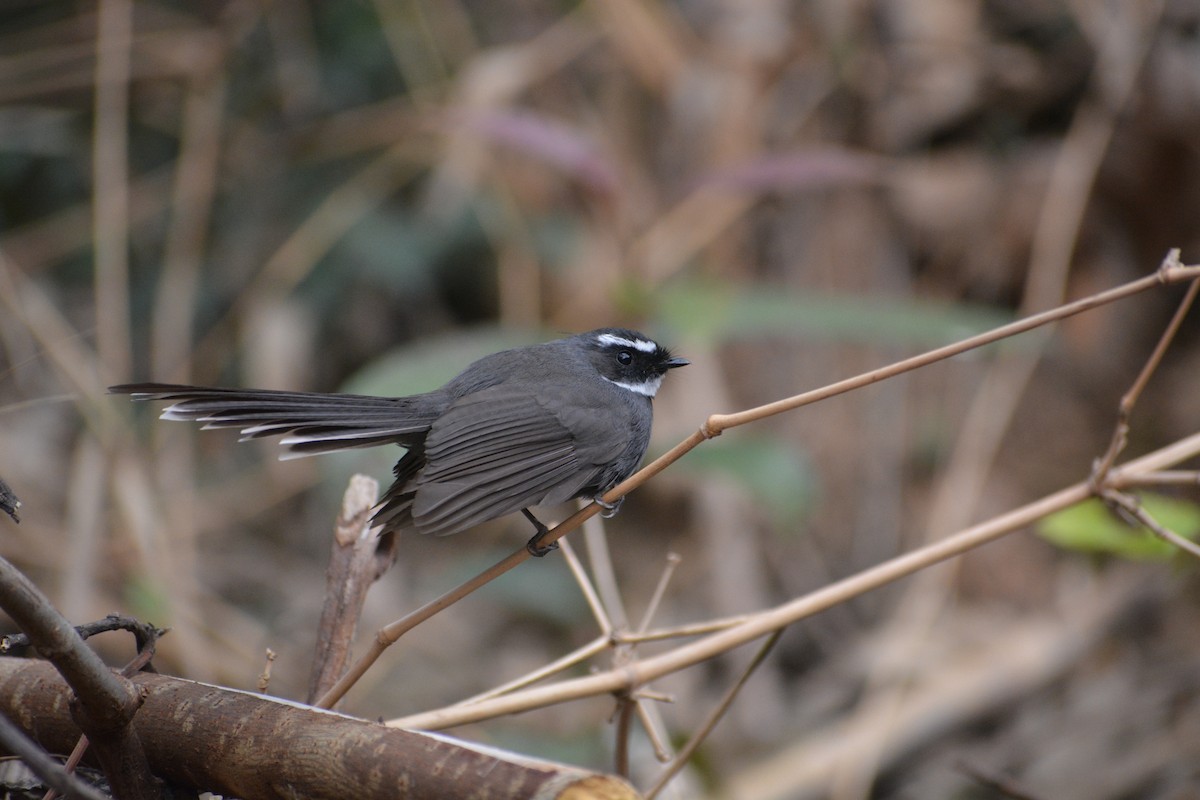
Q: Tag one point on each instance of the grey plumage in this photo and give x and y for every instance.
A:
(530, 426)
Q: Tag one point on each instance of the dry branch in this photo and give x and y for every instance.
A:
(358, 559)
(102, 702)
(286, 750)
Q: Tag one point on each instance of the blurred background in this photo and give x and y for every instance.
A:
(365, 196)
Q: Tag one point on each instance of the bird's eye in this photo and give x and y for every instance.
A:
(625, 357)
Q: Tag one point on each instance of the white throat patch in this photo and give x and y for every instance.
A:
(608, 339)
(648, 388)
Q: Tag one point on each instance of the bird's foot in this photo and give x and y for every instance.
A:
(534, 545)
(610, 509)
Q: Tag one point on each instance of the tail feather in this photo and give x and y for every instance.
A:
(310, 422)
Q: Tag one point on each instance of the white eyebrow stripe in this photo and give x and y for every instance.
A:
(636, 344)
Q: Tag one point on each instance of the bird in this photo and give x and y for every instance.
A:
(534, 425)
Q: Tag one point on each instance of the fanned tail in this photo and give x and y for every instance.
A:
(310, 422)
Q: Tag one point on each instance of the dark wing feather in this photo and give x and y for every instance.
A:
(490, 454)
(315, 422)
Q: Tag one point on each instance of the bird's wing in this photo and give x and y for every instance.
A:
(492, 453)
(314, 422)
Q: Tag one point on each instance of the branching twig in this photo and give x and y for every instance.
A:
(107, 702)
(1168, 273)
(681, 631)
(611, 615)
(764, 622)
(1127, 506)
(1129, 399)
(138, 663)
(144, 633)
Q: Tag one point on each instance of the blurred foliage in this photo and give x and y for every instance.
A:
(367, 196)
(713, 312)
(423, 367)
(777, 477)
(148, 600)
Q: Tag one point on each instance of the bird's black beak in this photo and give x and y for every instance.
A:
(675, 361)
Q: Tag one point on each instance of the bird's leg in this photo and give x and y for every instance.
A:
(534, 545)
(610, 509)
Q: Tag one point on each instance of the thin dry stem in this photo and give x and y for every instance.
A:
(576, 656)
(1130, 507)
(385, 637)
(626, 706)
(710, 722)
(1165, 478)
(650, 724)
(718, 423)
(660, 590)
(681, 631)
(714, 426)
(595, 541)
(586, 587)
(769, 620)
(264, 677)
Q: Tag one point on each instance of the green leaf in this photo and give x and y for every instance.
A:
(1091, 527)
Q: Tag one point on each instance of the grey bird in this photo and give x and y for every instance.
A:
(530, 426)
